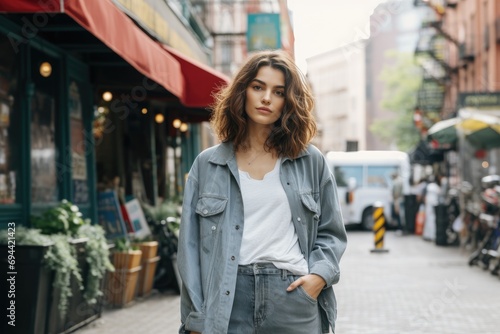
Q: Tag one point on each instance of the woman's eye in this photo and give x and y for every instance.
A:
(280, 93)
(257, 87)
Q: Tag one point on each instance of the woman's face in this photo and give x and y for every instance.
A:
(265, 96)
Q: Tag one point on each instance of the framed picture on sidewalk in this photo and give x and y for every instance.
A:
(110, 216)
(137, 218)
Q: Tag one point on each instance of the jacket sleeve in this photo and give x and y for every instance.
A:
(188, 259)
(331, 238)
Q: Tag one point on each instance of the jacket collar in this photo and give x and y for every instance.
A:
(225, 152)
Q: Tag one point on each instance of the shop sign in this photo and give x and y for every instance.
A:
(263, 31)
(479, 100)
(430, 96)
(158, 19)
(109, 215)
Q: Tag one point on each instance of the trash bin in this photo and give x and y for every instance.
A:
(411, 208)
(442, 222)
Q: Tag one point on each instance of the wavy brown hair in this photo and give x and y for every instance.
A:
(296, 126)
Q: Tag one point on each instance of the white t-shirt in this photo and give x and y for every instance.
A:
(269, 235)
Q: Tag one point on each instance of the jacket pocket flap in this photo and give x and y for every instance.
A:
(309, 202)
(209, 206)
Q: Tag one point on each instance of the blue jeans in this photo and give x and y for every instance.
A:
(263, 306)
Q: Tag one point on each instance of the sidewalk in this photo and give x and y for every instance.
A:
(158, 313)
(416, 287)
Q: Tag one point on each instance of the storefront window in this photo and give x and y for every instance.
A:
(9, 151)
(44, 182)
(78, 146)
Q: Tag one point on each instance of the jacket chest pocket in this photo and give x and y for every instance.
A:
(310, 208)
(210, 210)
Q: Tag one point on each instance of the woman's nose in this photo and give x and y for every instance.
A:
(266, 98)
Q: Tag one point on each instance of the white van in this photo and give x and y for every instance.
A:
(365, 177)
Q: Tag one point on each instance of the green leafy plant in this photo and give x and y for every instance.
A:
(60, 257)
(59, 227)
(97, 257)
(166, 209)
(65, 218)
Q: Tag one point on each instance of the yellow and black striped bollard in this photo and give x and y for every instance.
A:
(378, 228)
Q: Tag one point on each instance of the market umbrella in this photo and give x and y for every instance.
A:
(482, 130)
(444, 132)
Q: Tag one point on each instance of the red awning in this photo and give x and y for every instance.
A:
(116, 30)
(200, 80)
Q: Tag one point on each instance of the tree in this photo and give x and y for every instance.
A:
(402, 80)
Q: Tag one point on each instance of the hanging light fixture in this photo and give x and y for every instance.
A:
(159, 118)
(144, 111)
(176, 123)
(183, 127)
(45, 69)
(107, 96)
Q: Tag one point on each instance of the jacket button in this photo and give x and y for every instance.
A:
(227, 293)
(237, 227)
(299, 219)
(232, 258)
(214, 228)
(205, 211)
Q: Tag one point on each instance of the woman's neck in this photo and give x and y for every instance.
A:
(256, 140)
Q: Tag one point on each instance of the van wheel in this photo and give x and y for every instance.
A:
(367, 222)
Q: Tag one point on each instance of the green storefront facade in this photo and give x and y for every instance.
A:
(61, 139)
(47, 118)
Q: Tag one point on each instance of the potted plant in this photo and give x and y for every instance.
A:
(122, 283)
(149, 262)
(71, 259)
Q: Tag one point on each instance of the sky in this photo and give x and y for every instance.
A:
(323, 25)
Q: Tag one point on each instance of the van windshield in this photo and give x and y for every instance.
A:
(344, 173)
(380, 176)
(377, 176)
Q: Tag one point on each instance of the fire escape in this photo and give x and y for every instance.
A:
(431, 55)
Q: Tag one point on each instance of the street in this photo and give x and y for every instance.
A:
(416, 287)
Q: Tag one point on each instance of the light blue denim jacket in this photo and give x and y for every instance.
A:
(212, 227)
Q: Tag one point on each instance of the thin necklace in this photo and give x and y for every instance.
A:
(258, 155)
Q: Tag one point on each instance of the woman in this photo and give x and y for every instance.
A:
(261, 233)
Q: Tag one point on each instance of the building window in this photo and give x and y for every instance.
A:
(44, 173)
(9, 124)
(79, 140)
(226, 55)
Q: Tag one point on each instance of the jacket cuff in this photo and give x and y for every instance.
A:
(326, 271)
(195, 322)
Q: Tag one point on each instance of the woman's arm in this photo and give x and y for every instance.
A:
(331, 238)
(192, 313)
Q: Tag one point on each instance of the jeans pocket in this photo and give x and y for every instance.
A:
(303, 292)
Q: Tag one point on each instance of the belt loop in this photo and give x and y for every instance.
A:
(283, 274)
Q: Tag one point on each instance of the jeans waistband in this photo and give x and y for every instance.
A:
(263, 269)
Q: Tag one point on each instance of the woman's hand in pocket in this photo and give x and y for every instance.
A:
(312, 284)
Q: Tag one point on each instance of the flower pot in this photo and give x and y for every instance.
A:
(122, 283)
(79, 312)
(149, 249)
(149, 262)
(31, 290)
(147, 275)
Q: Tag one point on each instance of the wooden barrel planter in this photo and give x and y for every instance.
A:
(149, 261)
(121, 286)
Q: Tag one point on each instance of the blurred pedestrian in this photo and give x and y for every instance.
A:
(397, 200)
(261, 234)
(432, 193)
